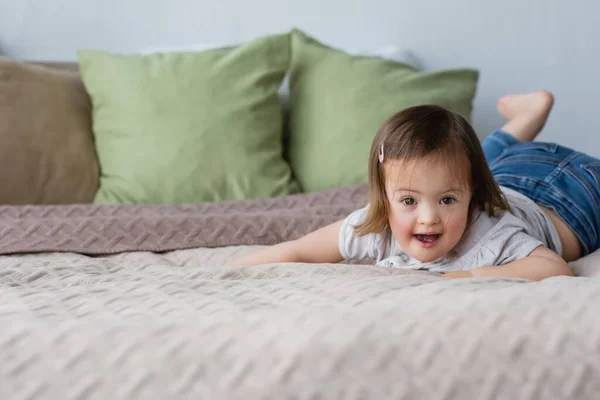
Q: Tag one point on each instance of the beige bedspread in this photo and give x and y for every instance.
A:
(176, 324)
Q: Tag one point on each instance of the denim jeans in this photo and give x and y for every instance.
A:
(554, 176)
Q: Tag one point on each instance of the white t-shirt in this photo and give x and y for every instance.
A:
(488, 241)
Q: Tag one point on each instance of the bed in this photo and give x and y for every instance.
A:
(133, 301)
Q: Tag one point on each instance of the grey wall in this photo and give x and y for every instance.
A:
(518, 45)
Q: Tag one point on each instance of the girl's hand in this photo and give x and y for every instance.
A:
(457, 274)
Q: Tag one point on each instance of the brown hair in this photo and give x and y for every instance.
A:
(419, 131)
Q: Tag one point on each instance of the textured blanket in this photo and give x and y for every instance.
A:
(106, 229)
(178, 325)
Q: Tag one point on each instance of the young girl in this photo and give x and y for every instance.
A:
(441, 201)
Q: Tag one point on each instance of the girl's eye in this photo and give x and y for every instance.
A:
(408, 201)
(448, 200)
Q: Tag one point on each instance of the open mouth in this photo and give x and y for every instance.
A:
(427, 239)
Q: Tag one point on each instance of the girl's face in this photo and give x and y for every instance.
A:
(428, 209)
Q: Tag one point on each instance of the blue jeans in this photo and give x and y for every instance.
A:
(556, 177)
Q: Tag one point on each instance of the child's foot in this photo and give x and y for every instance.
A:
(527, 113)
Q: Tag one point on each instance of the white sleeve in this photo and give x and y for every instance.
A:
(353, 247)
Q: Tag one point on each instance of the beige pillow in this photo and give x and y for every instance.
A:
(47, 153)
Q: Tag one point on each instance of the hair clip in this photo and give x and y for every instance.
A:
(381, 154)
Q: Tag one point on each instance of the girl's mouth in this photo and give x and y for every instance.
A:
(427, 240)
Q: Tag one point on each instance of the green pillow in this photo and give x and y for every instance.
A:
(192, 126)
(338, 102)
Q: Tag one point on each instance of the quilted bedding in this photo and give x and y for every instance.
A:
(133, 302)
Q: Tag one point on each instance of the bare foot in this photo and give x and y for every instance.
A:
(527, 113)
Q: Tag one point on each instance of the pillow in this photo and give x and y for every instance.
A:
(47, 154)
(389, 52)
(339, 100)
(188, 127)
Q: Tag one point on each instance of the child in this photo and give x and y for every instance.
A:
(441, 201)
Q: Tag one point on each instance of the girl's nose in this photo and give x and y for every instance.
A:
(429, 216)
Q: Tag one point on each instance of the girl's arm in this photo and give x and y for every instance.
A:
(542, 263)
(320, 246)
